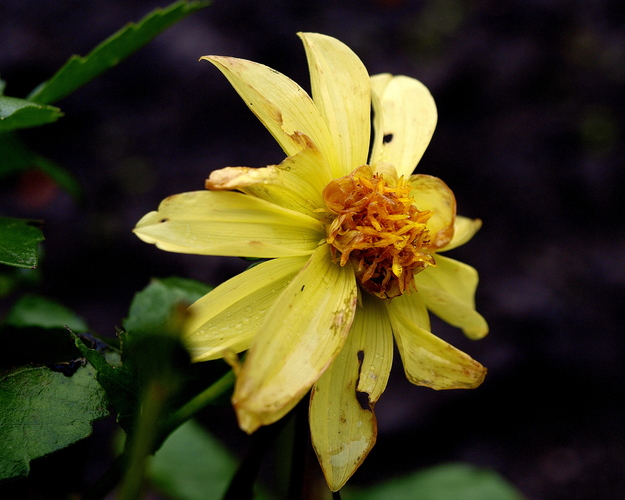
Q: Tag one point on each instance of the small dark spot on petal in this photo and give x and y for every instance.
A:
(164, 220)
(387, 138)
(361, 356)
(303, 286)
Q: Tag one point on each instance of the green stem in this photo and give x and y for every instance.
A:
(199, 402)
(115, 473)
(142, 440)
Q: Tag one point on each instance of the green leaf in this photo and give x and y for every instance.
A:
(19, 242)
(151, 346)
(42, 411)
(192, 465)
(192, 289)
(118, 381)
(152, 313)
(80, 70)
(19, 113)
(152, 309)
(43, 313)
(17, 158)
(444, 482)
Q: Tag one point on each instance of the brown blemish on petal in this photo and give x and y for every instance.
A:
(342, 418)
(229, 178)
(302, 139)
(346, 314)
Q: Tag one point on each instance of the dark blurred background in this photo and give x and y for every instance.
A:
(530, 138)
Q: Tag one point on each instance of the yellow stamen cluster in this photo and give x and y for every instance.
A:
(377, 227)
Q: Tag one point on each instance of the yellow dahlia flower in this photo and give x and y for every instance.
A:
(354, 245)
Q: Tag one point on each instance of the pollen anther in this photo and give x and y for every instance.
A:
(379, 229)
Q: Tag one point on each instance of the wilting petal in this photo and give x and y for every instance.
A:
(228, 317)
(431, 193)
(226, 223)
(301, 335)
(464, 230)
(342, 423)
(404, 123)
(429, 360)
(449, 292)
(278, 102)
(296, 183)
(341, 91)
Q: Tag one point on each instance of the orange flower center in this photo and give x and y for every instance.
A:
(377, 227)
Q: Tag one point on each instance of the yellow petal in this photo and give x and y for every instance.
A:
(405, 121)
(449, 292)
(373, 329)
(228, 317)
(226, 223)
(341, 91)
(301, 335)
(387, 170)
(413, 307)
(431, 193)
(464, 230)
(278, 102)
(378, 84)
(296, 183)
(429, 360)
(342, 423)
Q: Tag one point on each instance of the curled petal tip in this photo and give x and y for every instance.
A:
(248, 421)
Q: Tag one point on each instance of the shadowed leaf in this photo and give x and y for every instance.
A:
(42, 411)
(19, 113)
(80, 70)
(19, 242)
(444, 482)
